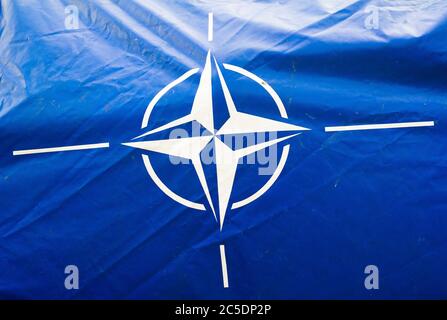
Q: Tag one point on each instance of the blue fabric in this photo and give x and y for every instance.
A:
(344, 200)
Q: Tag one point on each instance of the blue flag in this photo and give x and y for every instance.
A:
(258, 150)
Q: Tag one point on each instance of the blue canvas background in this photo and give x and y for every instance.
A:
(344, 200)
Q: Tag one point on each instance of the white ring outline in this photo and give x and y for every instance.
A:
(147, 163)
(200, 206)
(285, 150)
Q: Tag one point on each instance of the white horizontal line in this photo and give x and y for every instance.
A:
(59, 149)
(381, 126)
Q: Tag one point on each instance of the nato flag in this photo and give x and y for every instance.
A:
(223, 150)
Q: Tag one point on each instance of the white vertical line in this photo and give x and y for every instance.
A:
(224, 266)
(381, 126)
(210, 26)
(60, 149)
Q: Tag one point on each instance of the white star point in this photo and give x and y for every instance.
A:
(226, 159)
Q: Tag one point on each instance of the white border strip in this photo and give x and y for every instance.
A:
(381, 126)
(224, 266)
(210, 26)
(60, 149)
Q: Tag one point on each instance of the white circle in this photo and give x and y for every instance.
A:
(200, 206)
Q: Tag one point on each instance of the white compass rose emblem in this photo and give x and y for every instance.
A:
(226, 159)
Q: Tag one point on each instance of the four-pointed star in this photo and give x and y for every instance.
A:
(226, 158)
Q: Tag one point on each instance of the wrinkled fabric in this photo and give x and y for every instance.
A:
(344, 200)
